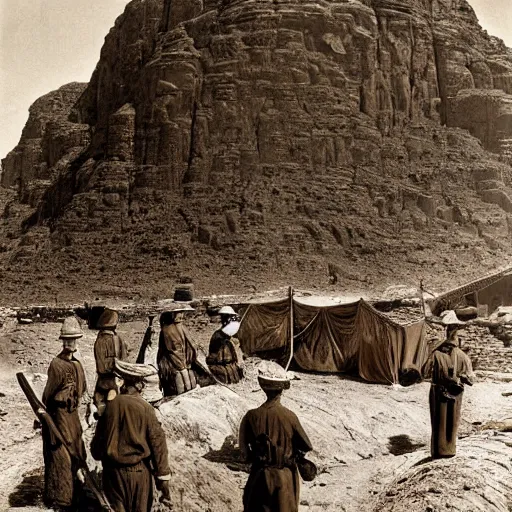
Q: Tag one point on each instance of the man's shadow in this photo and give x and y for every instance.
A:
(29, 492)
(230, 455)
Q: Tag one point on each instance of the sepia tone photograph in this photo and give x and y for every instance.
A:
(255, 256)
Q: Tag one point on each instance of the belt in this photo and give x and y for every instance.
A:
(63, 405)
(265, 465)
(138, 466)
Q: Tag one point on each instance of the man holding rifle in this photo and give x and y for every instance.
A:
(65, 388)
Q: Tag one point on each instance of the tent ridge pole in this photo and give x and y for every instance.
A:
(290, 297)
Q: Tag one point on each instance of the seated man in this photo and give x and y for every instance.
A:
(223, 358)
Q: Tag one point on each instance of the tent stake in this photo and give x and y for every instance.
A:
(290, 296)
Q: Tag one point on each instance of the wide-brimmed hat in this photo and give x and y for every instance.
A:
(177, 307)
(71, 329)
(273, 383)
(109, 318)
(272, 377)
(133, 371)
(450, 318)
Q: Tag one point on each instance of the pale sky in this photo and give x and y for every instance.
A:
(48, 43)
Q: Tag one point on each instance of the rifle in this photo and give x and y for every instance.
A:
(56, 436)
(146, 341)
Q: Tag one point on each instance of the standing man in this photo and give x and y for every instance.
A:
(147, 355)
(273, 440)
(107, 348)
(223, 355)
(451, 370)
(177, 355)
(65, 388)
(131, 445)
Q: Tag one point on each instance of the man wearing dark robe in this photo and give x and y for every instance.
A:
(176, 355)
(273, 440)
(223, 355)
(64, 390)
(107, 348)
(451, 370)
(131, 445)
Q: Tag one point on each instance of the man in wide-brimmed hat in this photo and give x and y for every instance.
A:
(224, 359)
(177, 356)
(451, 370)
(131, 445)
(273, 440)
(63, 393)
(108, 347)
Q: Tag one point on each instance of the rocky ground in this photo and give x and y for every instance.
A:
(371, 441)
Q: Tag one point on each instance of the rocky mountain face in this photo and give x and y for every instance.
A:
(263, 142)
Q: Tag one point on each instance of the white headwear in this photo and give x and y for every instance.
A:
(272, 376)
(71, 329)
(231, 328)
(450, 318)
(227, 310)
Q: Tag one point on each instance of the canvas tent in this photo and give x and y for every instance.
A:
(351, 337)
(492, 291)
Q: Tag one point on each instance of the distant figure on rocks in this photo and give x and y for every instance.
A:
(107, 348)
(273, 440)
(131, 445)
(224, 356)
(177, 355)
(65, 389)
(451, 370)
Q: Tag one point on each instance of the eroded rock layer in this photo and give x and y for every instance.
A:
(244, 140)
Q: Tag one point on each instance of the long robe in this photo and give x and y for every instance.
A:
(65, 386)
(148, 355)
(175, 358)
(131, 445)
(107, 348)
(222, 358)
(274, 482)
(448, 362)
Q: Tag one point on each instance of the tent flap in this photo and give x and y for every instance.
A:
(326, 345)
(265, 327)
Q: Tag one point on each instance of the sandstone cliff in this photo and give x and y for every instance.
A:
(260, 142)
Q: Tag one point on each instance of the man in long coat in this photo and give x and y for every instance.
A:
(451, 370)
(131, 445)
(273, 440)
(64, 390)
(108, 347)
(176, 355)
(224, 352)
